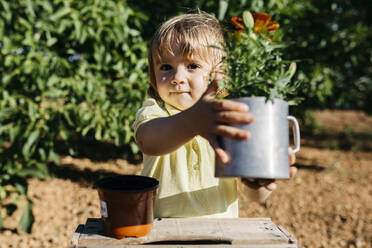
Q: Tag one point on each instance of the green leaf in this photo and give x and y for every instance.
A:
(248, 20)
(3, 192)
(54, 156)
(30, 8)
(134, 147)
(66, 114)
(77, 24)
(64, 134)
(292, 69)
(27, 219)
(223, 4)
(43, 168)
(50, 40)
(21, 186)
(86, 130)
(72, 151)
(34, 172)
(60, 13)
(30, 141)
(7, 11)
(42, 154)
(53, 80)
(98, 134)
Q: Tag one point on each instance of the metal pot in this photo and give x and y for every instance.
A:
(265, 154)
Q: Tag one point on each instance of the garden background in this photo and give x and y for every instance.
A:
(73, 73)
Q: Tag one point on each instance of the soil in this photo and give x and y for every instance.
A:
(327, 204)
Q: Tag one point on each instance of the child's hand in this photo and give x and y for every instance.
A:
(210, 116)
(265, 187)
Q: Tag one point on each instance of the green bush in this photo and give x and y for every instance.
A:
(66, 67)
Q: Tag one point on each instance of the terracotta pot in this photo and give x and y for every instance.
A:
(127, 204)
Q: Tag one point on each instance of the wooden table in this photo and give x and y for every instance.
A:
(191, 232)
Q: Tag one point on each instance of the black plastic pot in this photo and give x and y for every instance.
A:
(127, 204)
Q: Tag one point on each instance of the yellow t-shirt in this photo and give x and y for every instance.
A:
(187, 186)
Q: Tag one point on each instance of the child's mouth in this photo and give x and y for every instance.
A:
(179, 92)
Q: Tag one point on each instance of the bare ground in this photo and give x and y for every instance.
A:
(328, 203)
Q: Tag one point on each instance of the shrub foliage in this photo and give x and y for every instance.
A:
(66, 68)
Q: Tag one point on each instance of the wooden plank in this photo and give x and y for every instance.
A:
(190, 246)
(76, 236)
(291, 238)
(195, 232)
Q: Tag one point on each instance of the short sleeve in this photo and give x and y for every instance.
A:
(150, 110)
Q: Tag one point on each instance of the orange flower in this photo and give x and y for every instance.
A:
(238, 26)
(261, 20)
(238, 23)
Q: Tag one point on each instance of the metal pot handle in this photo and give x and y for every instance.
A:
(296, 133)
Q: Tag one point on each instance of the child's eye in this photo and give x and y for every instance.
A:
(193, 66)
(165, 67)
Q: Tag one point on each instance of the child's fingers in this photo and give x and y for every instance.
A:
(221, 154)
(229, 105)
(251, 183)
(271, 186)
(292, 171)
(291, 156)
(231, 132)
(292, 159)
(234, 117)
(267, 183)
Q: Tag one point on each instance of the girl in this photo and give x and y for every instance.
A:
(176, 128)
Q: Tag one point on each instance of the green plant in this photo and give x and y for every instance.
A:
(254, 60)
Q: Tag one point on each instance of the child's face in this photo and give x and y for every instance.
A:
(181, 81)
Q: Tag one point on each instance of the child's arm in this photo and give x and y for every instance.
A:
(206, 118)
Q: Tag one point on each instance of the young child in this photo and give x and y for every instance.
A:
(176, 128)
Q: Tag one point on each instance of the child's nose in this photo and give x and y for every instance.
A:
(179, 76)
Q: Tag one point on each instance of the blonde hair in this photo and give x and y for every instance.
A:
(193, 35)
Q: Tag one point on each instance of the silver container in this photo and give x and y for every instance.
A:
(265, 154)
